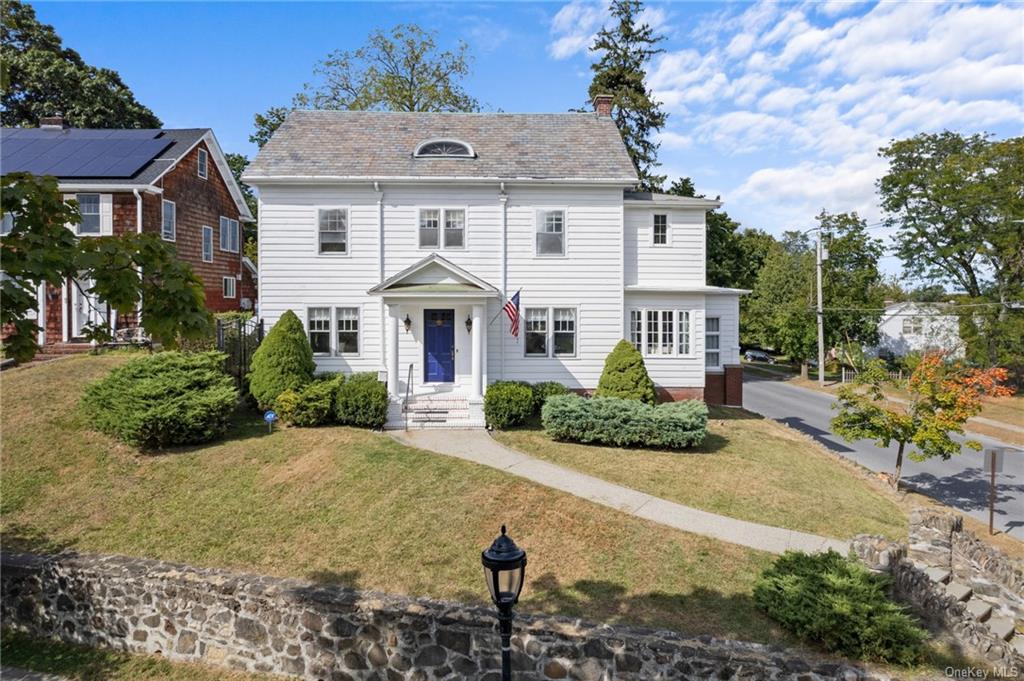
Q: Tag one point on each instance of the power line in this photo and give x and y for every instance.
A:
(951, 306)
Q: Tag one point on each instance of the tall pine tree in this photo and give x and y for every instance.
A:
(625, 49)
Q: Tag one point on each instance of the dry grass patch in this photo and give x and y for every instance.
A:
(348, 506)
(748, 468)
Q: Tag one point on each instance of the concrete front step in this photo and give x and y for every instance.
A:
(435, 412)
(958, 591)
(1003, 628)
(937, 575)
(978, 609)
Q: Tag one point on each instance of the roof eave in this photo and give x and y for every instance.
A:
(692, 203)
(414, 179)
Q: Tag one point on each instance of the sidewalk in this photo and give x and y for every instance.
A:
(16, 674)
(479, 447)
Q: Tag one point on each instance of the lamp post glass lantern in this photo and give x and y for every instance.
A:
(504, 567)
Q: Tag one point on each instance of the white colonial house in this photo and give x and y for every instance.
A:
(398, 238)
(916, 327)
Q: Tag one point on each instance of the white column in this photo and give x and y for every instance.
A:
(477, 389)
(392, 353)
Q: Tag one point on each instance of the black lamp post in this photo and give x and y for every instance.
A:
(504, 566)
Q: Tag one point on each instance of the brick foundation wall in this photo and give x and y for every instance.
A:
(714, 388)
(733, 385)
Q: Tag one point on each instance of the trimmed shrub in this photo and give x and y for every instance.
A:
(362, 401)
(625, 375)
(543, 390)
(833, 601)
(624, 422)
(170, 398)
(311, 405)
(283, 361)
(508, 403)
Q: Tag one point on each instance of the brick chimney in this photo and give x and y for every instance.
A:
(603, 105)
(53, 122)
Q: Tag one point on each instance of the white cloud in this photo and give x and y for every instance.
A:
(674, 140)
(574, 26)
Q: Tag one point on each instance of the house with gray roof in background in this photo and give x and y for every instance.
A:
(175, 183)
(446, 251)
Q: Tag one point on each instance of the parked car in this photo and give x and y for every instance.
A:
(758, 356)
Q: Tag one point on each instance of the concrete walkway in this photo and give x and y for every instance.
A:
(478, 446)
(16, 674)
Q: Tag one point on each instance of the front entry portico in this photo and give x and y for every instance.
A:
(435, 316)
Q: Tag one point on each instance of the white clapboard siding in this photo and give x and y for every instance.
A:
(727, 309)
(680, 263)
(673, 371)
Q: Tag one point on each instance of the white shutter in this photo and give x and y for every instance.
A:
(68, 198)
(106, 214)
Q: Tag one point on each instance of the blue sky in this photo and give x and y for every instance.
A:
(778, 107)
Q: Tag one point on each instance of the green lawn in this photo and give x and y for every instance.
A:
(349, 506)
(749, 468)
(90, 664)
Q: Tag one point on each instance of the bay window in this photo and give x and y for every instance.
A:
(658, 333)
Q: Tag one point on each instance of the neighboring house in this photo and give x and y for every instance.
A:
(175, 183)
(398, 238)
(916, 327)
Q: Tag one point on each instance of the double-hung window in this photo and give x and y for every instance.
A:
(348, 330)
(453, 234)
(912, 326)
(89, 208)
(551, 232)
(228, 284)
(712, 350)
(208, 244)
(228, 235)
(168, 227)
(319, 329)
(564, 331)
(332, 231)
(203, 162)
(660, 237)
(657, 333)
(536, 331)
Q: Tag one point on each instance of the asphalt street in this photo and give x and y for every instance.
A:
(959, 482)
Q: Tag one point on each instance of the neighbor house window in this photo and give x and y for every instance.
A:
(454, 228)
(89, 208)
(660, 230)
(228, 234)
(430, 227)
(204, 161)
(684, 332)
(912, 326)
(320, 330)
(333, 230)
(168, 227)
(537, 331)
(348, 330)
(229, 287)
(712, 349)
(636, 329)
(551, 233)
(207, 244)
(564, 331)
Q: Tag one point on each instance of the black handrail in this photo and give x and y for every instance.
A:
(405, 404)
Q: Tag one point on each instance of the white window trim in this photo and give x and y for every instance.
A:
(549, 332)
(199, 166)
(330, 329)
(234, 287)
(565, 231)
(450, 140)
(336, 327)
(202, 245)
(316, 233)
(676, 312)
(719, 349)
(99, 206)
(238, 234)
(174, 225)
(668, 231)
(441, 243)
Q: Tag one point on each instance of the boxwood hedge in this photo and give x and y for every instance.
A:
(625, 422)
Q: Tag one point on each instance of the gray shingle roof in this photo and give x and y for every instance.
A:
(370, 144)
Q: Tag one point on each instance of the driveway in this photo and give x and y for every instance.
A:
(959, 482)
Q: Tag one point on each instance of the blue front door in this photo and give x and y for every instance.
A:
(439, 345)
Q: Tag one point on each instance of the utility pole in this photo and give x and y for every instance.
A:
(822, 255)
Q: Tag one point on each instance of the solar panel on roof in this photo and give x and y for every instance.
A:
(80, 153)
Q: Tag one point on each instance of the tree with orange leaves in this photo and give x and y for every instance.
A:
(943, 395)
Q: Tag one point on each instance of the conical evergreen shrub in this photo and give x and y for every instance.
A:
(283, 361)
(625, 375)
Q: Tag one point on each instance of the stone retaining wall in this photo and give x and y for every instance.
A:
(335, 634)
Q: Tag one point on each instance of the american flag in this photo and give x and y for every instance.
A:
(512, 310)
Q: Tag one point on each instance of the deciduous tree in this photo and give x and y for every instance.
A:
(943, 395)
(44, 78)
(623, 51)
(125, 270)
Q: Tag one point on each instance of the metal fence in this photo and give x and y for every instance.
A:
(238, 339)
(848, 375)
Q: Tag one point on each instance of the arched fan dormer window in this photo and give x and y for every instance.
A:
(444, 149)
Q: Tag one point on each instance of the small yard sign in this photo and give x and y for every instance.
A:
(270, 416)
